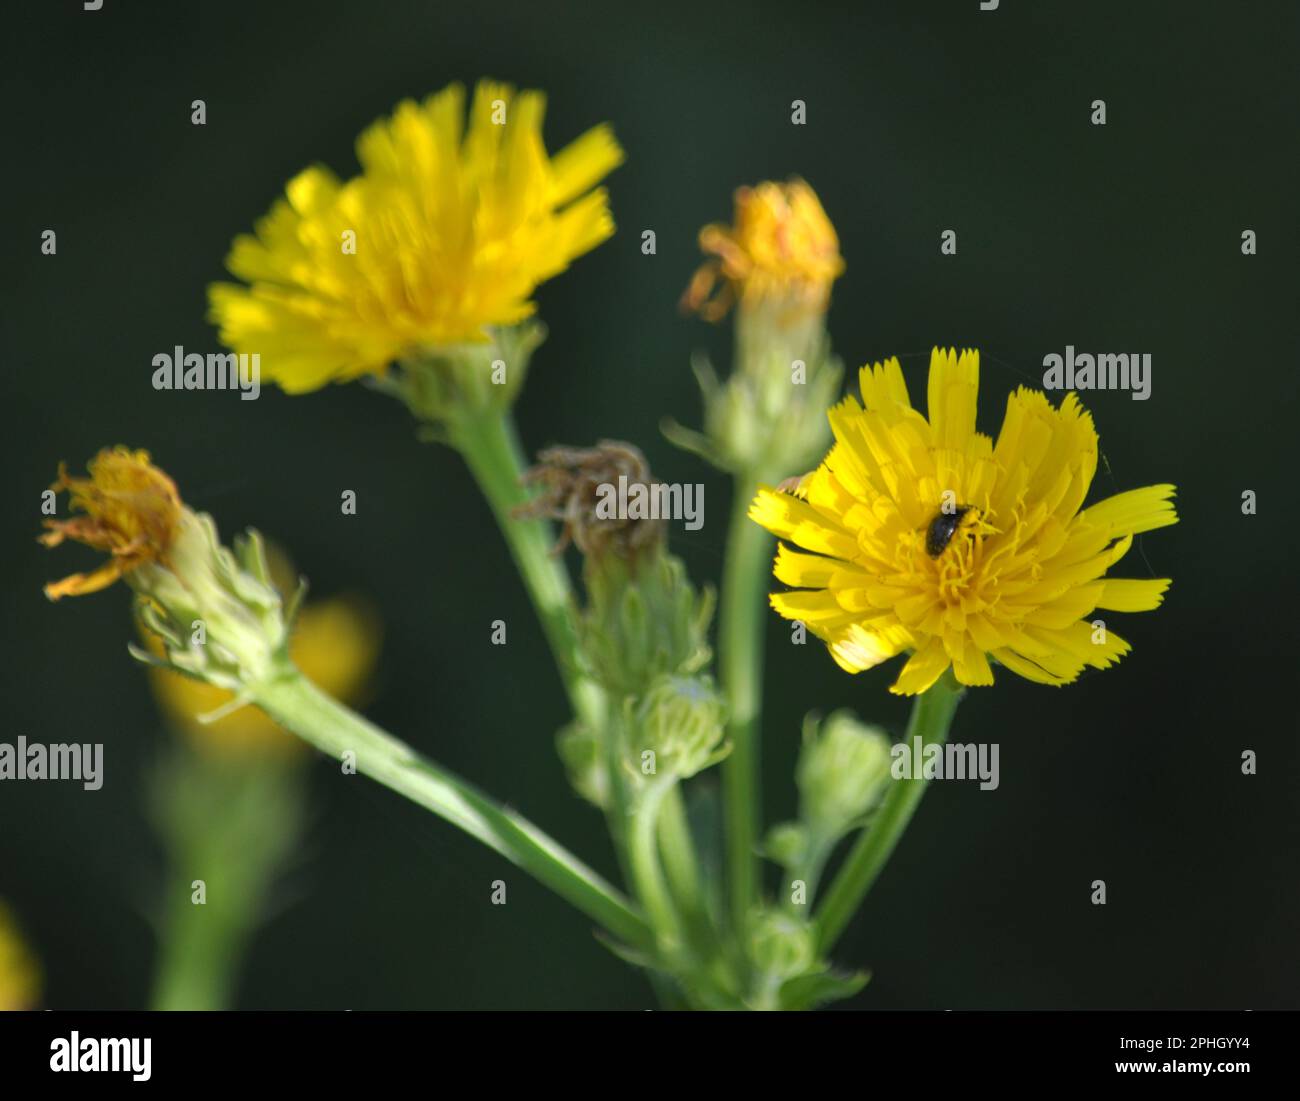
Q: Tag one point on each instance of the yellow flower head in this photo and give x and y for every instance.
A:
(782, 249)
(447, 230)
(19, 976)
(132, 510)
(930, 537)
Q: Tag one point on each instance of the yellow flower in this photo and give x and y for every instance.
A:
(782, 249)
(334, 643)
(20, 978)
(132, 510)
(447, 230)
(1010, 568)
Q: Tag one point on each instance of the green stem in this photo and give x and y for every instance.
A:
(229, 824)
(740, 659)
(302, 708)
(490, 445)
(643, 857)
(199, 952)
(491, 448)
(931, 717)
(680, 863)
(617, 818)
(616, 814)
(809, 869)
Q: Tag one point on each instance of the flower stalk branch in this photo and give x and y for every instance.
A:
(299, 706)
(490, 445)
(741, 632)
(932, 715)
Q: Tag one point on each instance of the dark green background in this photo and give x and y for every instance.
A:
(920, 118)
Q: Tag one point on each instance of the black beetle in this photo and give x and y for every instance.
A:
(942, 528)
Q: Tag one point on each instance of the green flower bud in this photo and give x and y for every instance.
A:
(842, 772)
(770, 415)
(781, 945)
(787, 844)
(644, 620)
(677, 728)
(216, 611)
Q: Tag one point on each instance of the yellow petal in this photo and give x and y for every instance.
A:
(1031, 670)
(584, 162)
(953, 389)
(1122, 595)
(789, 518)
(923, 668)
(1133, 512)
(970, 666)
(803, 571)
(855, 648)
(882, 385)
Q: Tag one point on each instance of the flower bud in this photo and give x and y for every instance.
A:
(216, 611)
(842, 771)
(777, 264)
(781, 945)
(644, 622)
(682, 722)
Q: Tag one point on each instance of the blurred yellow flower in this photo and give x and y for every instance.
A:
(782, 250)
(927, 536)
(447, 230)
(132, 510)
(20, 978)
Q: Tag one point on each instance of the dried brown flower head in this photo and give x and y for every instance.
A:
(577, 486)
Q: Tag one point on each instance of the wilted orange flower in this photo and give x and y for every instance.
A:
(132, 510)
(782, 248)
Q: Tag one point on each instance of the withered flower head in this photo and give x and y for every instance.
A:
(781, 251)
(132, 510)
(582, 488)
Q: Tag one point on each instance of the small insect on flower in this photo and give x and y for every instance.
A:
(792, 484)
(942, 528)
